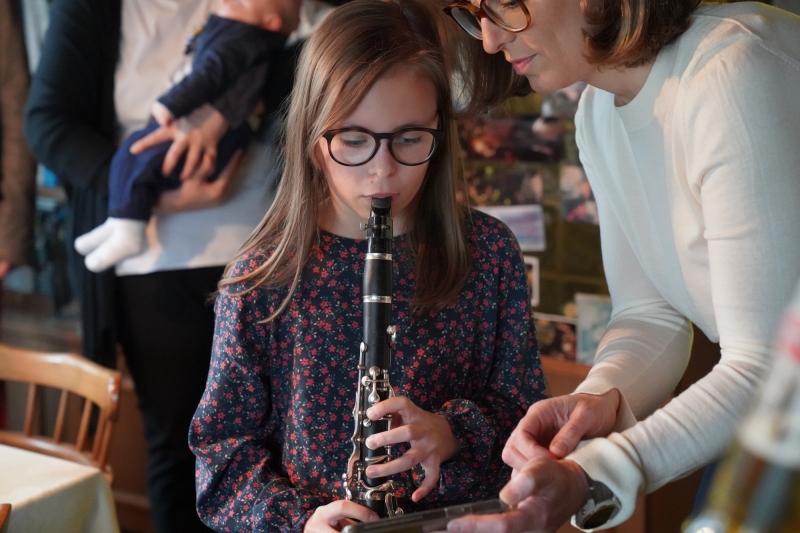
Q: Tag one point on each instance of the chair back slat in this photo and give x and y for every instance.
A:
(83, 430)
(97, 386)
(31, 410)
(58, 432)
(105, 440)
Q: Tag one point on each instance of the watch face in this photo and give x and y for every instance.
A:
(600, 516)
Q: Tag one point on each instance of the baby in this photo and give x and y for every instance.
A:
(232, 55)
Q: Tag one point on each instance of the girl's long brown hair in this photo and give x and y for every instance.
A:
(356, 45)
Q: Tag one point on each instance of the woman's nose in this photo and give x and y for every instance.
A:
(494, 37)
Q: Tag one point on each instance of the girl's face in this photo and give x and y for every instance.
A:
(400, 99)
(549, 52)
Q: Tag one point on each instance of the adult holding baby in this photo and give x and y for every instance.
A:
(103, 64)
(686, 136)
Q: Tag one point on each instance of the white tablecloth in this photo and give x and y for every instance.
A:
(53, 495)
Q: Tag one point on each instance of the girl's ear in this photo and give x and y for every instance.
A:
(272, 22)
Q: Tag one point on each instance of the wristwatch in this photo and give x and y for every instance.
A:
(601, 506)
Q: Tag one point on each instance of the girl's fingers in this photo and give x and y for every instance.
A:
(393, 436)
(356, 512)
(428, 484)
(401, 464)
(395, 404)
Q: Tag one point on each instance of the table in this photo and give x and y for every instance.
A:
(54, 495)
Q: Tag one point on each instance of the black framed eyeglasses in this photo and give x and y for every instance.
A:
(355, 146)
(510, 15)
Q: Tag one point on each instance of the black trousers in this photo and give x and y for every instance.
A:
(166, 326)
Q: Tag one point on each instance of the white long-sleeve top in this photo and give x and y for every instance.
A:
(697, 182)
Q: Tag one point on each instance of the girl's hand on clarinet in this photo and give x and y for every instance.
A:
(336, 515)
(432, 441)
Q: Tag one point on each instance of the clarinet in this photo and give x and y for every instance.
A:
(374, 361)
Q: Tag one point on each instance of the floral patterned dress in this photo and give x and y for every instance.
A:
(272, 431)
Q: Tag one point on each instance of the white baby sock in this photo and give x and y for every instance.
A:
(111, 242)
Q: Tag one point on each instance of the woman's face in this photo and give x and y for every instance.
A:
(549, 52)
(400, 99)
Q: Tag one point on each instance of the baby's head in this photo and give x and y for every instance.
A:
(275, 15)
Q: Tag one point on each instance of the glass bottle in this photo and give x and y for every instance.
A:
(756, 488)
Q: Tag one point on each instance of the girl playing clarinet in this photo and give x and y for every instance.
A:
(370, 116)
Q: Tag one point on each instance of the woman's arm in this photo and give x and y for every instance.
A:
(742, 157)
(69, 114)
(232, 433)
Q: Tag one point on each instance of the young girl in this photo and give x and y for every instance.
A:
(272, 432)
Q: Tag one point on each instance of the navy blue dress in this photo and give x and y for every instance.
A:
(272, 431)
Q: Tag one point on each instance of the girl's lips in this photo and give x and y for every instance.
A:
(521, 64)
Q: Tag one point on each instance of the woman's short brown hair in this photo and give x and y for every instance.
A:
(628, 33)
(618, 33)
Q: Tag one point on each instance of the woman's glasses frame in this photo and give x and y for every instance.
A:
(480, 11)
(330, 134)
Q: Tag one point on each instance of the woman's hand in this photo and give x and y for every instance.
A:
(197, 193)
(197, 134)
(336, 515)
(546, 492)
(432, 441)
(554, 427)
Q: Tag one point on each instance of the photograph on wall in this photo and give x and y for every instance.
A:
(525, 221)
(532, 276)
(514, 138)
(556, 336)
(594, 313)
(504, 183)
(577, 199)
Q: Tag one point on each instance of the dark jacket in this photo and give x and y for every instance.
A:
(70, 124)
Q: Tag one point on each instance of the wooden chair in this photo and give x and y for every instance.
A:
(95, 384)
(5, 509)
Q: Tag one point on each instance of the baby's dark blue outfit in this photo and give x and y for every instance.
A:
(229, 71)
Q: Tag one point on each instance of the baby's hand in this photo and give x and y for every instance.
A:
(162, 114)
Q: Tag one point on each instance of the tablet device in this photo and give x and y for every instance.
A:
(427, 521)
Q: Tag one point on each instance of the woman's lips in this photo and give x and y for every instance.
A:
(521, 64)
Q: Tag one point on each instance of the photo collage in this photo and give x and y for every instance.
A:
(511, 160)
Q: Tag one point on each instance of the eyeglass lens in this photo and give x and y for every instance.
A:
(410, 147)
(508, 14)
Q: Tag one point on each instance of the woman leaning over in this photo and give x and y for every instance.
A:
(686, 133)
